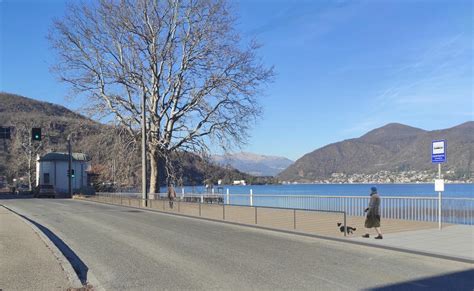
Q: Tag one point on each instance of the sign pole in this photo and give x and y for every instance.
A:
(439, 199)
(438, 156)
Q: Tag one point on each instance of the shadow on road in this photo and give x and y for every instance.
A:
(8, 196)
(460, 281)
(78, 265)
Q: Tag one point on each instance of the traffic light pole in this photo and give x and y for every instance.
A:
(69, 178)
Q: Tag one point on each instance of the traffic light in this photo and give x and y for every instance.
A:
(73, 174)
(36, 133)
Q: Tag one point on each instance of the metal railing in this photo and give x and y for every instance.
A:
(213, 207)
(419, 208)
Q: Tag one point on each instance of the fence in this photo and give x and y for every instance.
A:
(300, 220)
(454, 210)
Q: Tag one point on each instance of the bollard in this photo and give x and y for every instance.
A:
(202, 198)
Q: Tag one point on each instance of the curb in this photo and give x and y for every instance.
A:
(402, 250)
(62, 260)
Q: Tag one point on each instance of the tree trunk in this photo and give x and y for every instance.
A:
(154, 171)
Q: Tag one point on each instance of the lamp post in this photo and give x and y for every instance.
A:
(144, 190)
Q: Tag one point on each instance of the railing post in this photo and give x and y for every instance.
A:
(228, 196)
(182, 193)
(345, 224)
(223, 211)
(294, 218)
(251, 197)
(202, 198)
(200, 208)
(255, 215)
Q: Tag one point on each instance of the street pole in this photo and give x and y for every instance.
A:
(144, 190)
(439, 199)
(69, 165)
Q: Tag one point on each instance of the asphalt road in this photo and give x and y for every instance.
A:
(121, 248)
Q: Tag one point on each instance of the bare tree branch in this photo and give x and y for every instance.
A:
(200, 82)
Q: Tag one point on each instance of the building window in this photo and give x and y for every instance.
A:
(46, 178)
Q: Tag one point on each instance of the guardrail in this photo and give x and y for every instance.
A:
(420, 208)
(300, 220)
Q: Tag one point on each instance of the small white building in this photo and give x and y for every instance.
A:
(239, 182)
(52, 169)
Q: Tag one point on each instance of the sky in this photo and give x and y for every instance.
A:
(342, 68)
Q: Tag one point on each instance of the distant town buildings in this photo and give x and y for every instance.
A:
(389, 177)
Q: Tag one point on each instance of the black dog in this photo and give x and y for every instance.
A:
(349, 229)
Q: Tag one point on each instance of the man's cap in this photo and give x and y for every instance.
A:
(373, 189)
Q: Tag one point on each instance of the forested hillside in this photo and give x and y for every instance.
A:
(113, 154)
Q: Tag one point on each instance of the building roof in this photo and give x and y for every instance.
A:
(57, 156)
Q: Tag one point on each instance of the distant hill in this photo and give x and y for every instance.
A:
(101, 142)
(12, 104)
(254, 164)
(393, 147)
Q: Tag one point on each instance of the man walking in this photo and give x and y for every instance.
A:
(373, 214)
(171, 195)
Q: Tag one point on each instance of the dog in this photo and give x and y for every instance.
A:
(349, 229)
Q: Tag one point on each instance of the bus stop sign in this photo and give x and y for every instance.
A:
(438, 152)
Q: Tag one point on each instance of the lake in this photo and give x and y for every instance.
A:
(451, 190)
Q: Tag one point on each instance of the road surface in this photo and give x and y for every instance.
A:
(120, 248)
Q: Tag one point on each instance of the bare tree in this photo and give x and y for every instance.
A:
(27, 150)
(200, 82)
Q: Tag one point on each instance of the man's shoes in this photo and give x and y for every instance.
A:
(379, 237)
(366, 235)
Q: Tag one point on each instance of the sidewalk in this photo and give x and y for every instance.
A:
(455, 241)
(27, 262)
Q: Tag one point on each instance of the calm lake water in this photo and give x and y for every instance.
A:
(451, 190)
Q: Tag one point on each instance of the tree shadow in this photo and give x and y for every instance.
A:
(78, 265)
(460, 281)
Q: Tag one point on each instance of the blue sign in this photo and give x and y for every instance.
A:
(438, 151)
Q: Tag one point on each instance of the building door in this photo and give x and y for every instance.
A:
(46, 178)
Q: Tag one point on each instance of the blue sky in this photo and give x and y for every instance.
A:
(343, 67)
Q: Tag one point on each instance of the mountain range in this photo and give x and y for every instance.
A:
(394, 147)
(254, 164)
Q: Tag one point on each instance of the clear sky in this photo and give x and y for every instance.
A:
(343, 67)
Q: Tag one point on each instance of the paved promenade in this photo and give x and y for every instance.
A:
(26, 261)
(455, 241)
